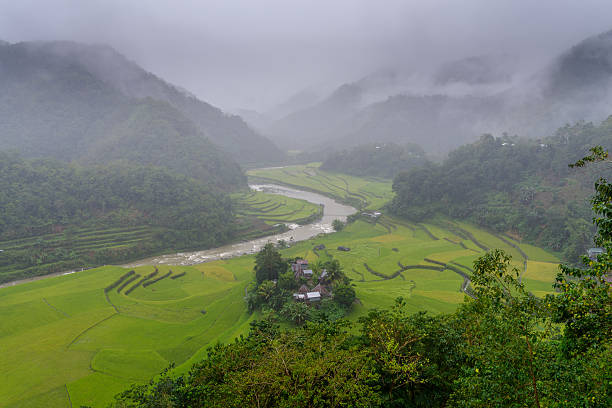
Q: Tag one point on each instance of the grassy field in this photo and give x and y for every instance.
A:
(360, 192)
(79, 339)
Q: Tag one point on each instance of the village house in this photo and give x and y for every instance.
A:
(298, 267)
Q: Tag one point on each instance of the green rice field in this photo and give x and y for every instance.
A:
(360, 192)
(66, 341)
(79, 339)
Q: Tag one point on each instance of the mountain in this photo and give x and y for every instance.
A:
(399, 107)
(296, 102)
(315, 125)
(64, 100)
(476, 70)
(227, 131)
(458, 102)
(51, 106)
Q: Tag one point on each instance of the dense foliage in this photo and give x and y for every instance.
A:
(521, 187)
(54, 107)
(379, 160)
(275, 283)
(46, 197)
(501, 349)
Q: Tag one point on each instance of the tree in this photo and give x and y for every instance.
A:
(344, 295)
(338, 225)
(390, 341)
(268, 264)
(502, 331)
(297, 312)
(266, 290)
(335, 274)
(585, 302)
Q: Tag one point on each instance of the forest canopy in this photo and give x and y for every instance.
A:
(377, 159)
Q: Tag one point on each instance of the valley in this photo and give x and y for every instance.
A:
(82, 338)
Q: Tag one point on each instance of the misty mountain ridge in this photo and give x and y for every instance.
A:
(458, 102)
(229, 132)
(52, 106)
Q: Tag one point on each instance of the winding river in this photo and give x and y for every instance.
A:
(332, 210)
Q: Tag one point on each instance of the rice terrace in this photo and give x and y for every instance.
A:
(81, 338)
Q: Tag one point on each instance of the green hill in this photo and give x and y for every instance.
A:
(229, 132)
(57, 216)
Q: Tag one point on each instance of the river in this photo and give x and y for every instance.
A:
(332, 210)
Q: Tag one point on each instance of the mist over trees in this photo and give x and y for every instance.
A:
(457, 102)
(375, 160)
(90, 104)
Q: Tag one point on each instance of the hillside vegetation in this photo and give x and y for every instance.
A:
(57, 216)
(53, 106)
(515, 186)
(375, 160)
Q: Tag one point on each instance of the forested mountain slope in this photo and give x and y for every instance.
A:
(56, 216)
(518, 186)
(51, 105)
(229, 132)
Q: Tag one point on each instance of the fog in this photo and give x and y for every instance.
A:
(256, 54)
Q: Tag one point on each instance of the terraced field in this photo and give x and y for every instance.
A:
(79, 244)
(77, 339)
(274, 209)
(80, 338)
(359, 192)
(427, 263)
(258, 213)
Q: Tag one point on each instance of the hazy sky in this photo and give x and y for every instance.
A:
(255, 53)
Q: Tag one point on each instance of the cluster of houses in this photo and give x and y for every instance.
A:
(301, 271)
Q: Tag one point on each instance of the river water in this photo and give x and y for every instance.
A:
(332, 210)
